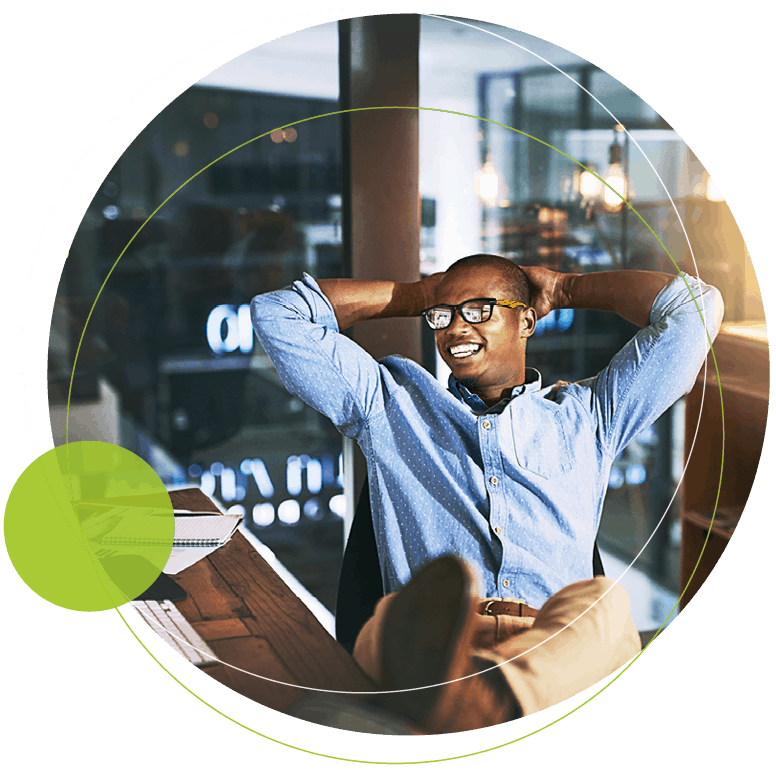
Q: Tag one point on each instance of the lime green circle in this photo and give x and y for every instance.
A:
(89, 526)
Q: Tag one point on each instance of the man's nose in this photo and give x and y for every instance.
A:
(457, 321)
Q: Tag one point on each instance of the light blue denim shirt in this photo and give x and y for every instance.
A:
(516, 490)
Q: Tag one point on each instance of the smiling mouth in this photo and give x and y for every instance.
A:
(466, 350)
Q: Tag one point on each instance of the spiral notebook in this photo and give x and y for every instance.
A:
(192, 530)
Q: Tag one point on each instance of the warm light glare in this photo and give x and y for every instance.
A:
(713, 192)
(289, 134)
(277, 136)
(487, 183)
(615, 192)
(181, 148)
(589, 185)
(210, 120)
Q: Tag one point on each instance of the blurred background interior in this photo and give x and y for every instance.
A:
(169, 367)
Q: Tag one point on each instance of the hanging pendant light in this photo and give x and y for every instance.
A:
(489, 184)
(615, 179)
(588, 184)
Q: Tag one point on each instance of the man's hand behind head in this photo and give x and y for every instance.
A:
(547, 291)
(428, 287)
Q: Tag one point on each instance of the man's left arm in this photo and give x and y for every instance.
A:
(629, 293)
(679, 315)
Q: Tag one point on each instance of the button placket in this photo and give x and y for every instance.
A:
(490, 457)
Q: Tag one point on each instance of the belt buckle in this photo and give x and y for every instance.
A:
(486, 609)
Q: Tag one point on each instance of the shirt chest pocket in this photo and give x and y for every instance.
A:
(539, 440)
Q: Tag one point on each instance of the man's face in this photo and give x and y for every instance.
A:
(497, 362)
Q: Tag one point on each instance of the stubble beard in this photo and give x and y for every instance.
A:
(470, 383)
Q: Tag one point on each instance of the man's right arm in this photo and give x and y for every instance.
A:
(299, 328)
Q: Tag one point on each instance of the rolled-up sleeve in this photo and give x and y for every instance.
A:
(660, 364)
(298, 330)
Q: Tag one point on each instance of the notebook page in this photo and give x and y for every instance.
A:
(206, 527)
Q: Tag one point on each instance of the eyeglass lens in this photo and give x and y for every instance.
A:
(472, 312)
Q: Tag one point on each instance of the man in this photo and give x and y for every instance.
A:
(497, 472)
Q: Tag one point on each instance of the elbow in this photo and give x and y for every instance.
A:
(257, 314)
(715, 311)
(264, 313)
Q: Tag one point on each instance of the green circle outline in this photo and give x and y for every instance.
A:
(643, 221)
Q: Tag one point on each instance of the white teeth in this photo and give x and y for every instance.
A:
(464, 351)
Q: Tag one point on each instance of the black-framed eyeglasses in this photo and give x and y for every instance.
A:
(473, 311)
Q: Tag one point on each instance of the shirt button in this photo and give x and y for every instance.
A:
(494, 481)
(486, 424)
(505, 583)
(498, 530)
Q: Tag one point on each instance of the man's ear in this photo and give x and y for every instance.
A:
(528, 322)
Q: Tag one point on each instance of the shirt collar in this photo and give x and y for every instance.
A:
(532, 384)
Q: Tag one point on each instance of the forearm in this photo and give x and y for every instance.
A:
(629, 293)
(356, 300)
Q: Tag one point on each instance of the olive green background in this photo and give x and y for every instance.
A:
(78, 685)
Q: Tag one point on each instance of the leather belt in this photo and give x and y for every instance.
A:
(502, 607)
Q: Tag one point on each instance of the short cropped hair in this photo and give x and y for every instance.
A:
(515, 280)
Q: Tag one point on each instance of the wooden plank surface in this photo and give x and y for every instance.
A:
(253, 621)
(192, 500)
(725, 520)
(230, 628)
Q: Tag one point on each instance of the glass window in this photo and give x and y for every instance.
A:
(626, 106)
(169, 345)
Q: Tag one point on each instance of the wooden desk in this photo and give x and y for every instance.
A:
(252, 620)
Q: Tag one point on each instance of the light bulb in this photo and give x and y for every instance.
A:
(589, 185)
(487, 182)
(489, 185)
(615, 192)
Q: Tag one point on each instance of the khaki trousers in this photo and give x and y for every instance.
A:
(581, 634)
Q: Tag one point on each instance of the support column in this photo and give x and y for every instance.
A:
(381, 202)
(381, 225)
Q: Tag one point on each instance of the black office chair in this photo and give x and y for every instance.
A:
(361, 583)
